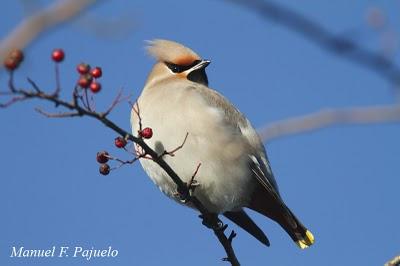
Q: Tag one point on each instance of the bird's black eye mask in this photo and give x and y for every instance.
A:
(181, 68)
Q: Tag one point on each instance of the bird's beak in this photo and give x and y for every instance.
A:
(203, 64)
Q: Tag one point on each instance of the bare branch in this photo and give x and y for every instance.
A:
(209, 219)
(172, 153)
(30, 28)
(136, 109)
(13, 100)
(191, 185)
(34, 85)
(192, 181)
(330, 117)
(118, 99)
(227, 244)
(313, 31)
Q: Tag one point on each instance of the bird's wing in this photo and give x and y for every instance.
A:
(259, 163)
(244, 221)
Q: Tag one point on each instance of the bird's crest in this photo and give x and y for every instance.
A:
(172, 52)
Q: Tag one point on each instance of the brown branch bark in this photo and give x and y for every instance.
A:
(330, 117)
(31, 27)
(313, 31)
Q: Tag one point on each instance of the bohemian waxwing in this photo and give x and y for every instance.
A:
(235, 171)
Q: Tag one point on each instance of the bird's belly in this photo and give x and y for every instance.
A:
(224, 177)
(220, 187)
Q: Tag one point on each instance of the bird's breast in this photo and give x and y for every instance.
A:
(223, 177)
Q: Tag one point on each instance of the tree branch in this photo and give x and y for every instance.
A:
(30, 28)
(211, 220)
(330, 117)
(313, 31)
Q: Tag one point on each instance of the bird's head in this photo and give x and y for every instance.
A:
(175, 61)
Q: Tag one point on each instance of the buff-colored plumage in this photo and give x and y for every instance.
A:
(235, 172)
(169, 51)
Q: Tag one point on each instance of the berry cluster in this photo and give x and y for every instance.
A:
(13, 59)
(88, 77)
(103, 157)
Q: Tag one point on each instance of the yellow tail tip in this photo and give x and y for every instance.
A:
(307, 241)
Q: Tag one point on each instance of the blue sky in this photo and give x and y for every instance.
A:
(342, 182)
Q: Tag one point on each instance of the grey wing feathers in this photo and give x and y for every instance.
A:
(233, 116)
(260, 166)
(262, 179)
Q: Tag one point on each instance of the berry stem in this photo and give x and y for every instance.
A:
(87, 100)
(58, 83)
(11, 82)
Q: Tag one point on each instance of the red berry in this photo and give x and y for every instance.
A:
(104, 169)
(146, 133)
(102, 157)
(58, 55)
(120, 142)
(83, 68)
(17, 54)
(10, 63)
(96, 72)
(85, 81)
(95, 87)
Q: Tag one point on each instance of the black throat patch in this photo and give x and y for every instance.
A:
(198, 76)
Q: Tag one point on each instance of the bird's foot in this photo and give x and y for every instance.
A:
(213, 222)
(185, 195)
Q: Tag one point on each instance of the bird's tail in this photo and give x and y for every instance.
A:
(296, 230)
(274, 208)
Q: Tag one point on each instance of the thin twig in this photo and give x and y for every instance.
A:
(192, 184)
(135, 108)
(12, 101)
(192, 179)
(117, 100)
(172, 152)
(34, 85)
(124, 162)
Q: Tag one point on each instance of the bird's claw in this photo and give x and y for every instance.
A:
(212, 222)
(184, 196)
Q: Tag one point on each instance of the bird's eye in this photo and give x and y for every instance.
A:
(175, 68)
(180, 68)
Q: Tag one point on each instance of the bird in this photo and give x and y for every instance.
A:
(214, 137)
